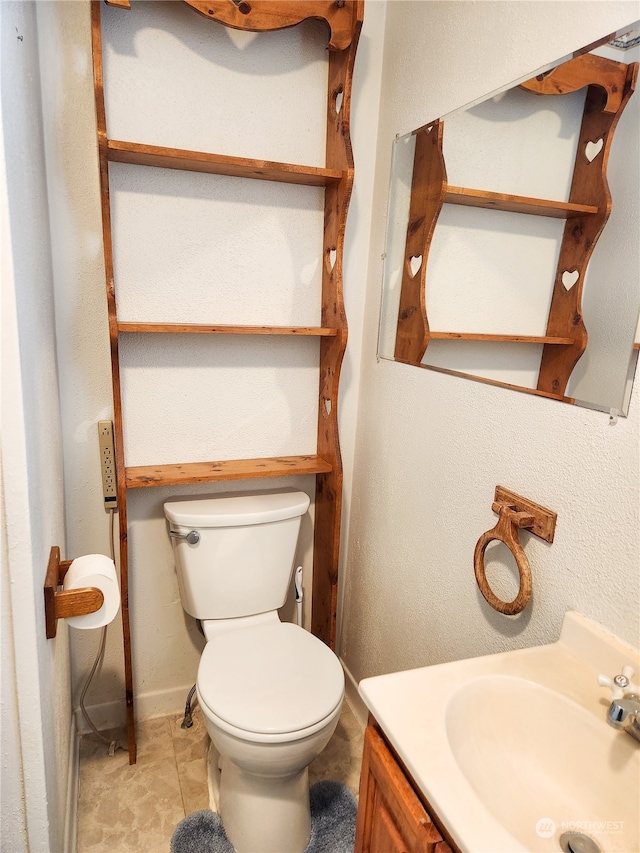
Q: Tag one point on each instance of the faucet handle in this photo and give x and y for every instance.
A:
(620, 685)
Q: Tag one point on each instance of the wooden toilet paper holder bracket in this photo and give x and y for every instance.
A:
(61, 603)
(515, 512)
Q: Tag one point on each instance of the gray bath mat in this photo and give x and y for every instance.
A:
(333, 825)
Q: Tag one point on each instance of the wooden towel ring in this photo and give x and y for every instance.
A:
(506, 530)
(514, 512)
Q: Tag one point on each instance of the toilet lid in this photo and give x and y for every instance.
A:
(270, 679)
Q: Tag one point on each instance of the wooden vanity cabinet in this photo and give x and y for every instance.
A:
(391, 816)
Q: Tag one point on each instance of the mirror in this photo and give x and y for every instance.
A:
(512, 252)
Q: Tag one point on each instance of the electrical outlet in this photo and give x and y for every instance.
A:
(108, 464)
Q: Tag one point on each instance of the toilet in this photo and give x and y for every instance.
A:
(269, 691)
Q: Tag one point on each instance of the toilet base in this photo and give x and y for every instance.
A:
(265, 814)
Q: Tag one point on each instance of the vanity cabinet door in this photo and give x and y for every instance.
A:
(391, 818)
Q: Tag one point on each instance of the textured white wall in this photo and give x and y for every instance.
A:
(13, 829)
(36, 700)
(367, 82)
(192, 247)
(424, 439)
(81, 336)
(431, 448)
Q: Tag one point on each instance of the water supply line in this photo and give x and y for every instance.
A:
(297, 580)
(187, 721)
(113, 744)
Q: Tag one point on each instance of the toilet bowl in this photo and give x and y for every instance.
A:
(270, 692)
(271, 697)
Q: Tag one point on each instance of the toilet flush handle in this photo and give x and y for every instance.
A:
(192, 537)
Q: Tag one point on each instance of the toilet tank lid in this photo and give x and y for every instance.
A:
(239, 508)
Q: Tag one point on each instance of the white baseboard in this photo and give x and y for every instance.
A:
(105, 715)
(73, 773)
(111, 715)
(354, 699)
(161, 703)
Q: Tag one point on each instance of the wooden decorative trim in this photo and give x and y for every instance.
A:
(143, 476)
(586, 70)
(589, 186)
(428, 186)
(264, 15)
(201, 329)
(328, 497)
(219, 164)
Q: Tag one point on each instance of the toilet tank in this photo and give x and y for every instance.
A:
(243, 562)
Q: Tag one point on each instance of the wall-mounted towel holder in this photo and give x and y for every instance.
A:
(514, 512)
(60, 604)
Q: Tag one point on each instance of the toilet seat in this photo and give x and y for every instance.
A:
(270, 679)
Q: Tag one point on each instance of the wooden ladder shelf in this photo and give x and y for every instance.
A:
(345, 21)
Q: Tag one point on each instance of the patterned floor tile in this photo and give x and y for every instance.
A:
(129, 809)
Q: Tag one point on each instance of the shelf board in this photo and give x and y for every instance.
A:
(203, 329)
(219, 164)
(517, 339)
(517, 203)
(236, 469)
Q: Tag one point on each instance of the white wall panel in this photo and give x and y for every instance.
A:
(431, 448)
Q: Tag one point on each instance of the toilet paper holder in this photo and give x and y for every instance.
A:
(59, 603)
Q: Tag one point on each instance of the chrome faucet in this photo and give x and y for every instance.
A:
(624, 710)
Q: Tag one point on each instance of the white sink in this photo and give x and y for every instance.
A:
(513, 750)
(529, 752)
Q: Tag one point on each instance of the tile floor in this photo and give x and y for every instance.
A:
(135, 809)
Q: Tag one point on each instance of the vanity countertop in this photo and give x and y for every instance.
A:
(512, 750)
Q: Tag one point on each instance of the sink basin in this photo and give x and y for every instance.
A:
(512, 750)
(529, 753)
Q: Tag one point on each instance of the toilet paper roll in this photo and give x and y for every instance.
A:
(98, 571)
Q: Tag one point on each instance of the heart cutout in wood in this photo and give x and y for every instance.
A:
(332, 254)
(415, 263)
(592, 149)
(570, 278)
(339, 97)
